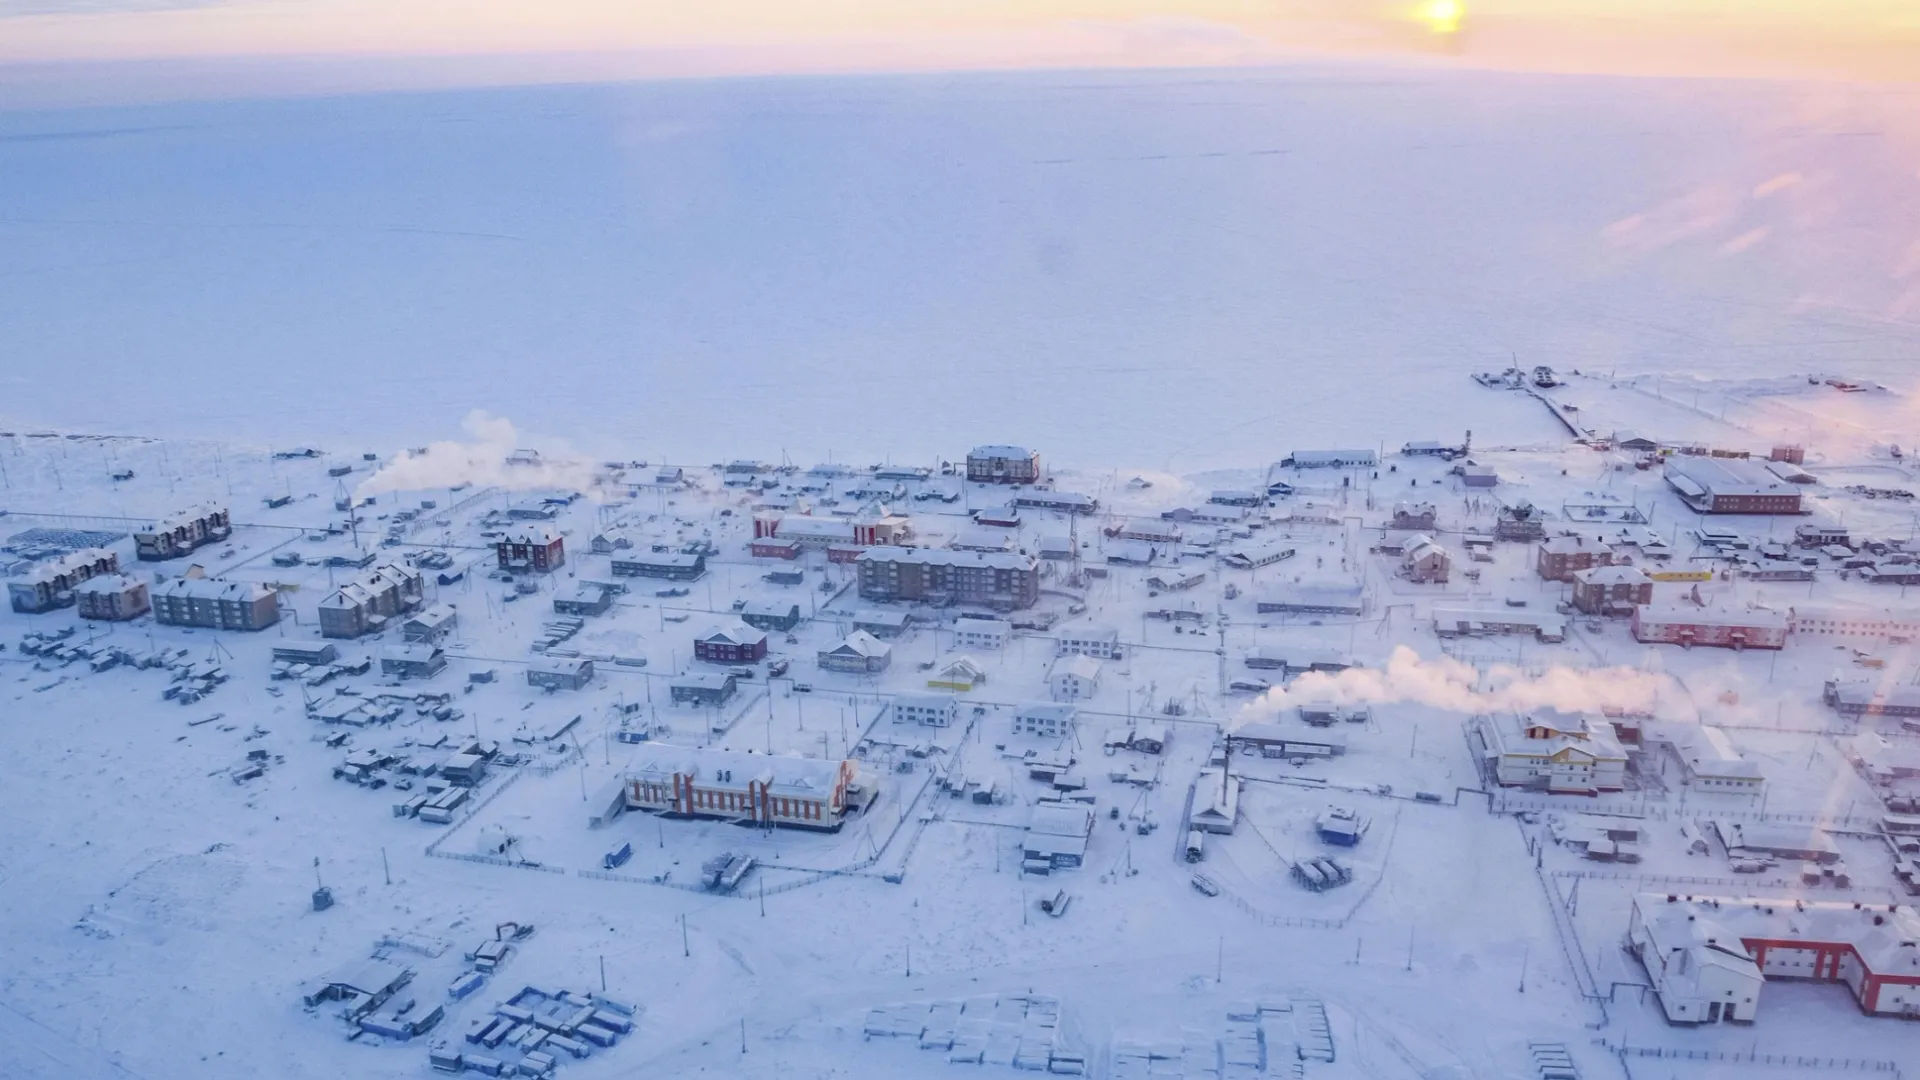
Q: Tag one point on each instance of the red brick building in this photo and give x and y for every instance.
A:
(1560, 557)
(1611, 590)
(539, 550)
(1731, 486)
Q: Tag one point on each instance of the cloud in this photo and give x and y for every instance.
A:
(10, 8)
(1744, 241)
(1446, 683)
(482, 461)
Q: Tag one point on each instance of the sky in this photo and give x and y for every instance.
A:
(1873, 40)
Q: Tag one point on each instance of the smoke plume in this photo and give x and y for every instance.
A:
(482, 462)
(1446, 683)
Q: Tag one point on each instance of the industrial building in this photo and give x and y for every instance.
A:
(51, 584)
(936, 576)
(215, 604)
(182, 532)
(1003, 465)
(762, 789)
(1712, 485)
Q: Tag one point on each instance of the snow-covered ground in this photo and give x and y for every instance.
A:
(1159, 270)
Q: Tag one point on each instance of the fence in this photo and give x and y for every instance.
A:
(1799, 1061)
(1569, 939)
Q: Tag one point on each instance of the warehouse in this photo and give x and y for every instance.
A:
(1682, 625)
(1730, 486)
(762, 789)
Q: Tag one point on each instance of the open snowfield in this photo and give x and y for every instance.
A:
(1166, 270)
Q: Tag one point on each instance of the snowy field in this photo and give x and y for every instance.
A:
(1166, 270)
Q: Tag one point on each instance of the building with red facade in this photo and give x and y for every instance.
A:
(537, 548)
(1713, 485)
(731, 645)
(1688, 625)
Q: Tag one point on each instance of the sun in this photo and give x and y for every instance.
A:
(1442, 16)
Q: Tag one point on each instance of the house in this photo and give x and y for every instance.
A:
(927, 710)
(1003, 465)
(1692, 947)
(1710, 763)
(1425, 562)
(1313, 599)
(215, 604)
(1521, 524)
(466, 767)
(113, 597)
(419, 660)
(668, 565)
(1819, 536)
(734, 785)
(1216, 801)
(1150, 738)
(1057, 835)
(583, 600)
(981, 635)
(1689, 625)
(731, 645)
(771, 615)
(1003, 581)
(1712, 485)
(882, 624)
(1075, 677)
(369, 601)
(1560, 557)
(1331, 459)
(960, 675)
(609, 541)
(431, 624)
(1065, 502)
(537, 549)
(1047, 719)
(1099, 642)
(1485, 622)
(1562, 753)
(999, 517)
(1611, 590)
(708, 691)
(560, 673)
(50, 584)
(1908, 574)
(859, 653)
(182, 532)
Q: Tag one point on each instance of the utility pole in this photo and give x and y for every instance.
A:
(685, 948)
(387, 872)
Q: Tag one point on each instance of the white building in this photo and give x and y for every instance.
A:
(927, 710)
(1561, 752)
(1711, 762)
(1047, 719)
(1074, 678)
(1099, 642)
(1701, 969)
(985, 635)
(1819, 621)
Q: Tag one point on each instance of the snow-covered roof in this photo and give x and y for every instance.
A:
(1001, 450)
(783, 774)
(1076, 664)
(992, 560)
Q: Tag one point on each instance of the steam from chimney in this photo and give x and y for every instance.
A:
(481, 462)
(1446, 683)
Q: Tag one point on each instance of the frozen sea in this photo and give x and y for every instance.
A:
(1175, 270)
